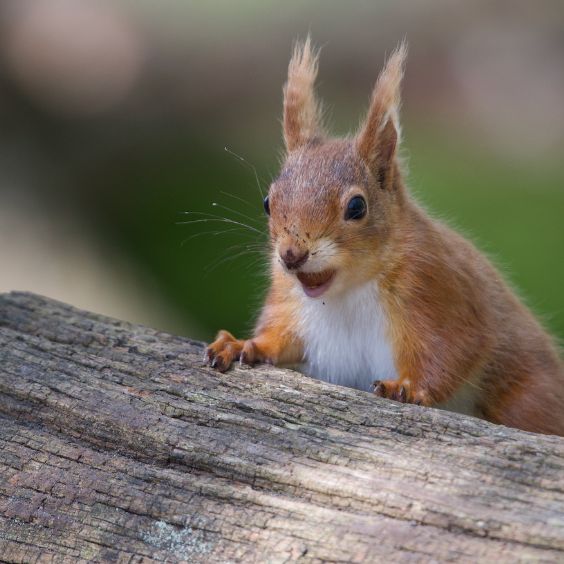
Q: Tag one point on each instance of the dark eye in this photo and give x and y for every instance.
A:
(356, 208)
(266, 205)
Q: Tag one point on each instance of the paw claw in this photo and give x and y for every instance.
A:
(226, 349)
(208, 356)
(380, 389)
(400, 392)
(402, 395)
(245, 360)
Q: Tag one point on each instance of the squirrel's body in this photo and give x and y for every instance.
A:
(366, 286)
(345, 339)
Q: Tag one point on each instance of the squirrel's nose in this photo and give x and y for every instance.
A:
(293, 259)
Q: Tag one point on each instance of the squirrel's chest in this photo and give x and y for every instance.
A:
(346, 339)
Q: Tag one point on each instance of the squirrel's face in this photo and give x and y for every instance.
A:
(332, 207)
(328, 218)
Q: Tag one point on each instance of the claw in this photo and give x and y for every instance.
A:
(402, 394)
(244, 359)
(380, 389)
(226, 349)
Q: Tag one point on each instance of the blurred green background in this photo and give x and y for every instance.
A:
(115, 116)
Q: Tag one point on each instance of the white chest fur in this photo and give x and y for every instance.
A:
(346, 340)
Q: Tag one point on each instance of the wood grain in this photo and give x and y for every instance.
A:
(118, 445)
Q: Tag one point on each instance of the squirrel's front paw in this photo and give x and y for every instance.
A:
(226, 348)
(400, 391)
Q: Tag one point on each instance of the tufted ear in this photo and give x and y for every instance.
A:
(302, 112)
(378, 139)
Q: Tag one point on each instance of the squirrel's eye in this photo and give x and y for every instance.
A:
(356, 208)
(266, 205)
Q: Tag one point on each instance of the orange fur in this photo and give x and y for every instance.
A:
(302, 112)
(452, 321)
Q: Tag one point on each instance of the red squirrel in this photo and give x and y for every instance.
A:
(368, 291)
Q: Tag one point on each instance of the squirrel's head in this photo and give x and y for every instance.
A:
(332, 207)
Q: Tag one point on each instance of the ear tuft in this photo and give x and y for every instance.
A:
(373, 141)
(302, 112)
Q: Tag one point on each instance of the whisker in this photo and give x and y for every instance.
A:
(246, 202)
(255, 247)
(256, 220)
(247, 163)
(220, 219)
(222, 260)
(259, 261)
(213, 233)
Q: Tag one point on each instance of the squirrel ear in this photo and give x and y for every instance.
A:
(302, 112)
(379, 136)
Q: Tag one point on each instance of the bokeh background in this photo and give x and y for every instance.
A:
(115, 116)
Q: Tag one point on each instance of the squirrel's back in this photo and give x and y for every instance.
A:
(514, 374)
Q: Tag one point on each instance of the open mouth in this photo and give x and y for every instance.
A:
(315, 283)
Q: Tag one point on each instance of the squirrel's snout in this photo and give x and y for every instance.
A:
(292, 258)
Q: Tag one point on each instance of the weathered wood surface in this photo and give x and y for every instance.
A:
(117, 445)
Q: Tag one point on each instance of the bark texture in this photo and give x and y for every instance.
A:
(118, 445)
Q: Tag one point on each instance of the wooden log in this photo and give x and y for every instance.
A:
(118, 445)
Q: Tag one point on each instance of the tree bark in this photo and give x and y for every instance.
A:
(118, 445)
